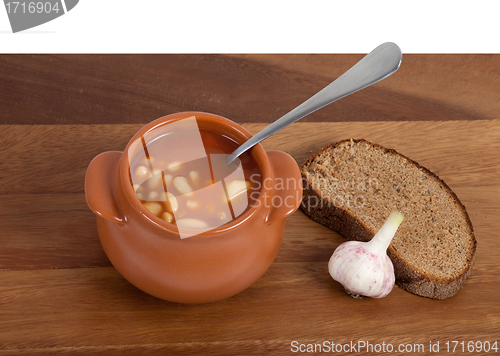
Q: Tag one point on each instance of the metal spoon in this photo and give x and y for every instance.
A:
(375, 66)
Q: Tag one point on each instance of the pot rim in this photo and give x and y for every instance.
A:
(241, 135)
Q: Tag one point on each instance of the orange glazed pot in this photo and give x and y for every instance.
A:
(207, 267)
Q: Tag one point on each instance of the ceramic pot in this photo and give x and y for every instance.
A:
(208, 267)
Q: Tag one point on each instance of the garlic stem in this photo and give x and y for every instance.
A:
(382, 239)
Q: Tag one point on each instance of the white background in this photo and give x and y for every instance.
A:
(181, 26)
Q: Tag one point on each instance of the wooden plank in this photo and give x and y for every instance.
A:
(120, 89)
(438, 84)
(96, 308)
(264, 347)
(53, 159)
(59, 294)
(48, 231)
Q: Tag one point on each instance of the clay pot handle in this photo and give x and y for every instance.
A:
(287, 185)
(100, 186)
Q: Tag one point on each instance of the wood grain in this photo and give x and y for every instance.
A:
(127, 89)
(60, 295)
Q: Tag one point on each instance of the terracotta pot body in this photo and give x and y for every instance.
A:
(203, 268)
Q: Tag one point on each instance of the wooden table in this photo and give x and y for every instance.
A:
(59, 294)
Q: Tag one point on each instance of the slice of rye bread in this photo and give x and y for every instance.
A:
(352, 186)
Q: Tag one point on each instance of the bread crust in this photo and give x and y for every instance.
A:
(352, 228)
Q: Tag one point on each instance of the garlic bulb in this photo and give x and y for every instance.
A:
(363, 268)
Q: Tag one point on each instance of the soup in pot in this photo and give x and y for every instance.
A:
(180, 175)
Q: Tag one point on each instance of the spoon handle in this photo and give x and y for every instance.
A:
(375, 66)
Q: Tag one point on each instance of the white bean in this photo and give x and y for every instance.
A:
(140, 196)
(153, 207)
(237, 187)
(168, 178)
(155, 181)
(142, 172)
(167, 217)
(174, 166)
(182, 185)
(138, 188)
(171, 204)
(193, 204)
(154, 196)
(192, 223)
(195, 177)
